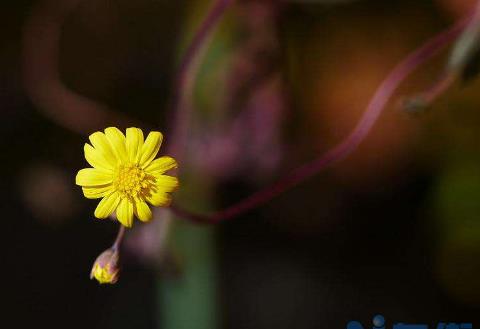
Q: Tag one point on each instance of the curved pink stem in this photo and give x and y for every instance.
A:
(350, 143)
(41, 39)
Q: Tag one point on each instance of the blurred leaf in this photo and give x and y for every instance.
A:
(457, 268)
(465, 54)
(472, 68)
(457, 198)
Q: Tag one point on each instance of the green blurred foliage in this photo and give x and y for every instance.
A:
(457, 228)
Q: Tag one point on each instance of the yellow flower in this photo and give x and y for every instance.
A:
(126, 175)
(105, 269)
(104, 274)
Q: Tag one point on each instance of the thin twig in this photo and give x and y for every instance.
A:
(350, 143)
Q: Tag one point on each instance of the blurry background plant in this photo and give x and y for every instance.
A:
(391, 230)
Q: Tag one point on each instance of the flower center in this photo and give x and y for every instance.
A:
(129, 180)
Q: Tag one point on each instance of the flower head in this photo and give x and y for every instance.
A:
(125, 174)
(105, 269)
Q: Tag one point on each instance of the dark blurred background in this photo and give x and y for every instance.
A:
(393, 229)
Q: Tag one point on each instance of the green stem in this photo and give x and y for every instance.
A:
(190, 300)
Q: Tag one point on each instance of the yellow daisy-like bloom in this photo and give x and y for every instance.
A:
(126, 175)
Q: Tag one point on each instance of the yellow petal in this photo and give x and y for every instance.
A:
(142, 211)
(150, 148)
(117, 142)
(166, 183)
(96, 159)
(161, 165)
(93, 177)
(125, 212)
(96, 192)
(134, 143)
(101, 144)
(159, 199)
(107, 205)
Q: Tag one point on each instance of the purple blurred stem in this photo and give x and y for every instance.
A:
(350, 143)
(119, 238)
(186, 75)
(41, 73)
(182, 104)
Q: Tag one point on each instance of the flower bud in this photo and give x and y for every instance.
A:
(105, 269)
